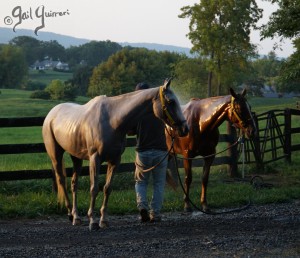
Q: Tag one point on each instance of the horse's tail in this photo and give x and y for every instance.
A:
(54, 181)
(172, 173)
(172, 179)
(60, 188)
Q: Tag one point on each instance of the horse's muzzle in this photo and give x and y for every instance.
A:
(251, 132)
(183, 129)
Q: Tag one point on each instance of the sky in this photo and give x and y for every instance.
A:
(134, 21)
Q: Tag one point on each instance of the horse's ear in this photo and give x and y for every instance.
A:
(167, 83)
(244, 92)
(232, 92)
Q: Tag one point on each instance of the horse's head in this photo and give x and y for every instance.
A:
(240, 114)
(167, 107)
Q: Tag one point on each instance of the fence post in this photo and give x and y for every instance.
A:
(256, 144)
(232, 151)
(287, 134)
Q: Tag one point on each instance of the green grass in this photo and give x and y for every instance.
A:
(260, 105)
(17, 103)
(48, 75)
(34, 198)
(15, 196)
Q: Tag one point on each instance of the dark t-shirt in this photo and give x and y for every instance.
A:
(150, 134)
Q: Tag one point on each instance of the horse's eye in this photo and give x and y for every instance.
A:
(168, 100)
(171, 101)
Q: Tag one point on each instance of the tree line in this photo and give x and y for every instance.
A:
(223, 55)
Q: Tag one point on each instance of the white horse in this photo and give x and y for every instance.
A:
(96, 132)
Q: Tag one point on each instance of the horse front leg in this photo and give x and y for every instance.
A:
(111, 168)
(187, 183)
(94, 189)
(205, 176)
(77, 165)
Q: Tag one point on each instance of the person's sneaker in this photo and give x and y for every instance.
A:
(155, 218)
(144, 215)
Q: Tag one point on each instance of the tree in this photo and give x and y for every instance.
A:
(289, 78)
(38, 50)
(93, 53)
(30, 46)
(190, 78)
(81, 78)
(13, 67)
(220, 32)
(124, 69)
(284, 23)
(52, 49)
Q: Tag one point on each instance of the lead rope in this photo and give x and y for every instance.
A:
(200, 209)
(153, 167)
(239, 140)
(243, 158)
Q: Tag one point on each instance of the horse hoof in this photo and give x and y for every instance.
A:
(207, 210)
(188, 209)
(77, 222)
(104, 224)
(70, 216)
(94, 227)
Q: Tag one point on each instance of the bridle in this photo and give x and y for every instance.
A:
(165, 109)
(237, 116)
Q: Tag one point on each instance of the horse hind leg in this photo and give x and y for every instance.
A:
(77, 166)
(112, 166)
(94, 189)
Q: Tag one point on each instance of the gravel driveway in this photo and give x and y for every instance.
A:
(260, 231)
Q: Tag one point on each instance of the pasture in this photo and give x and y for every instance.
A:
(48, 75)
(34, 198)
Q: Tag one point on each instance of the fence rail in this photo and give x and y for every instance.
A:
(274, 138)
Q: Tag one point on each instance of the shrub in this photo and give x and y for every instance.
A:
(70, 91)
(61, 91)
(40, 94)
(56, 89)
(35, 85)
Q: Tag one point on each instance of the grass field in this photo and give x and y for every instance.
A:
(47, 76)
(34, 198)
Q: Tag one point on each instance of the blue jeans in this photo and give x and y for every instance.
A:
(145, 160)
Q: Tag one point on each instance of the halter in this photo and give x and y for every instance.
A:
(164, 107)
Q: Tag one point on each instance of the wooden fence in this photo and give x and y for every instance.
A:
(275, 138)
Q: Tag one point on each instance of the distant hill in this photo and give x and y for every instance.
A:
(159, 47)
(7, 34)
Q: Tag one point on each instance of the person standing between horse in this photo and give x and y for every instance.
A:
(151, 151)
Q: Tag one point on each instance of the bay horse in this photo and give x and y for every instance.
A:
(96, 131)
(204, 116)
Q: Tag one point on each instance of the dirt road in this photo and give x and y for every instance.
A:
(260, 231)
